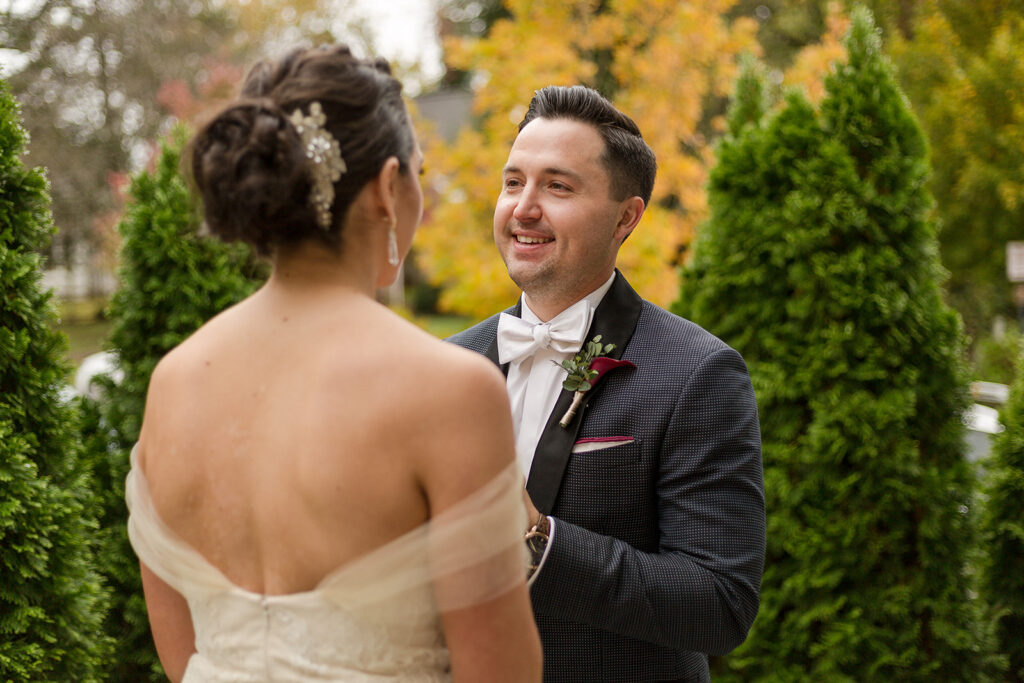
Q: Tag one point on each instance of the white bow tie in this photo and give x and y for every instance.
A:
(518, 339)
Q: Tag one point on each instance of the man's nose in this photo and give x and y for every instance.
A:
(527, 207)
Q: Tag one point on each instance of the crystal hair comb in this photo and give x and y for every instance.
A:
(324, 154)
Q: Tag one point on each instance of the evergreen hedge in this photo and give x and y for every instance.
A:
(171, 280)
(819, 264)
(52, 599)
(1003, 531)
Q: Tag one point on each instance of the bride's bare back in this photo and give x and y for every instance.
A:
(293, 434)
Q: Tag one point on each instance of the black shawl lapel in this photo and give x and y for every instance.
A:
(615, 320)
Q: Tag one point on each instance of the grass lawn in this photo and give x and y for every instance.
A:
(83, 323)
(442, 326)
(85, 338)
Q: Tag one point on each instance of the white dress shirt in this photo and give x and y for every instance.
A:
(534, 383)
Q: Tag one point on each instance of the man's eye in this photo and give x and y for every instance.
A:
(511, 182)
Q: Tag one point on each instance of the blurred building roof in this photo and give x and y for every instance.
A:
(449, 110)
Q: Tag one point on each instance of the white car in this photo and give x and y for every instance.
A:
(982, 420)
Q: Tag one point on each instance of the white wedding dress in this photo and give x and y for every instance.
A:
(376, 618)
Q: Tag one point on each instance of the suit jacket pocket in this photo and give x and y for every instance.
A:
(603, 452)
(599, 443)
(606, 487)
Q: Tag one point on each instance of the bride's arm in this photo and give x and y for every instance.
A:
(494, 639)
(171, 623)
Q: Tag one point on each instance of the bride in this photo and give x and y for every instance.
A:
(321, 491)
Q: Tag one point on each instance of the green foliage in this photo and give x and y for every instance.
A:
(995, 357)
(819, 265)
(52, 600)
(578, 369)
(750, 98)
(963, 69)
(1002, 584)
(171, 281)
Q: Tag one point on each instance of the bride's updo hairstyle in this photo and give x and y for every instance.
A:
(249, 162)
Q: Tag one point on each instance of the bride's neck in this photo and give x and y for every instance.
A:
(312, 267)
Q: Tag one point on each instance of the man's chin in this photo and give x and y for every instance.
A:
(527, 277)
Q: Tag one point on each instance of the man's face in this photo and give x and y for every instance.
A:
(555, 222)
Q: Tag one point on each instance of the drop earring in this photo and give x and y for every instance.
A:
(393, 244)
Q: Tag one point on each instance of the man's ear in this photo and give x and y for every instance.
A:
(630, 211)
(385, 189)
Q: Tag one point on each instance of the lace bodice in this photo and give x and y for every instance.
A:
(376, 618)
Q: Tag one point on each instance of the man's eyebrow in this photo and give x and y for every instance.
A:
(550, 170)
(572, 175)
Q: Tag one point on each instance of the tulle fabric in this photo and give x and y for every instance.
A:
(375, 618)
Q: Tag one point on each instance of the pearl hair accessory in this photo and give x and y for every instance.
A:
(324, 153)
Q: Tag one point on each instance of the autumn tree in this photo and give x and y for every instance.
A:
(52, 600)
(100, 81)
(171, 280)
(668, 64)
(87, 78)
(819, 264)
(461, 19)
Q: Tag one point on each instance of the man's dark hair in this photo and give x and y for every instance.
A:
(630, 162)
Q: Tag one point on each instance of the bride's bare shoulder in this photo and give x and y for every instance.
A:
(185, 366)
(462, 382)
(460, 375)
(184, 359)
(459, 420)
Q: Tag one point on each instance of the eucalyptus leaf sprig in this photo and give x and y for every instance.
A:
(580, 375)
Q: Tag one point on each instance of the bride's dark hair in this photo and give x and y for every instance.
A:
(249, 164)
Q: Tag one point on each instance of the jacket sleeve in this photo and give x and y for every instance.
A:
(700, 591)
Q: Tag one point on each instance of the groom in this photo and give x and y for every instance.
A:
(648, 508)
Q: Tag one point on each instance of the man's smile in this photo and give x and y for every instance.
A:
(526, 239)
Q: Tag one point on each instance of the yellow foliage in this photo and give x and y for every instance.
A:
(670, 58)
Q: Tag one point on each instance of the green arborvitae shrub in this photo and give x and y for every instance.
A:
(750, 98)
(1002, 579)
(52, 599)
(818, 263)
(172, 279)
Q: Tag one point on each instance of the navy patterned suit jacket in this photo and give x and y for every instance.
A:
(657, 492)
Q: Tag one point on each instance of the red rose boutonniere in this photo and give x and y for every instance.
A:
(585, 370)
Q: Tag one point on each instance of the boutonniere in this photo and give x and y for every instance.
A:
(586, 369)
